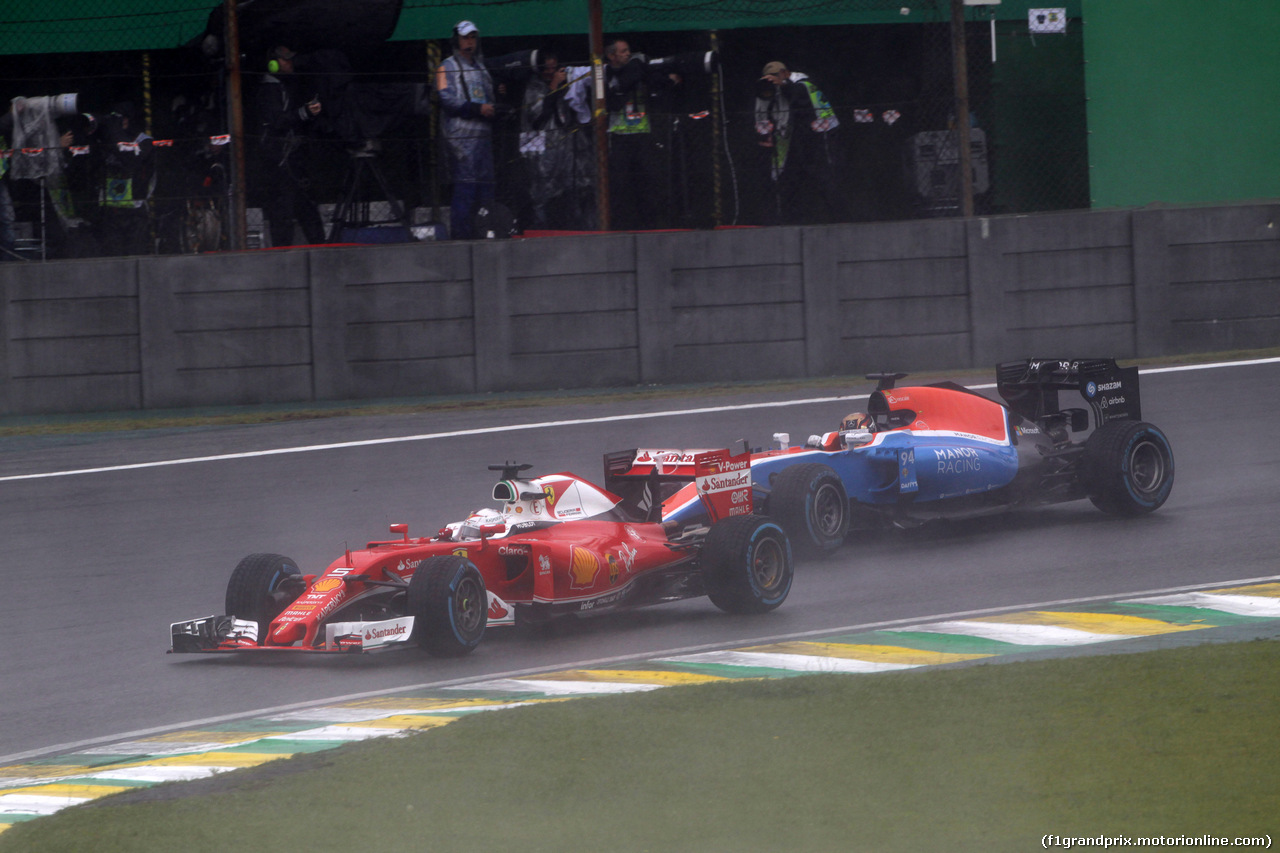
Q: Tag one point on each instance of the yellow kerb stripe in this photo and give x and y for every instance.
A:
(1269, 590)
(84, 792)
(229, 738)
(1093, 623)
(401, 721)
(409, 704)
(43, 771)
(629, 676)
(205, 759)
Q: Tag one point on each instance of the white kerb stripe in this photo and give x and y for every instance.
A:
(556, 688)
(36, 804)
(158, 773)
(793, 663)
(1241, 605)
(1022, 635)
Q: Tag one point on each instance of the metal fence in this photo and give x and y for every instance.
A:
(893, 152)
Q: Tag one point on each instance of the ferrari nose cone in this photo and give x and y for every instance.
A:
(284, 635)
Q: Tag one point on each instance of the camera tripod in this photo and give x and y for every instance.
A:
(353, 210)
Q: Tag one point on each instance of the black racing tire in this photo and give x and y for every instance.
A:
(449, 606)
(810, 503)
(1128, 468)
(747, 565)
(261, 587)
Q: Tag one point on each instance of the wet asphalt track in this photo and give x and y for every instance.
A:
(96, 565)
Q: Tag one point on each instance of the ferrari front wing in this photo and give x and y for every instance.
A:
(213, 634)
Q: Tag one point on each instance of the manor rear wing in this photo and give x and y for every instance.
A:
(1031, 388)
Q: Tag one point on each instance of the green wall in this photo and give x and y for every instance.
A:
(75, 26)
(1037, 132)
(1184, 100)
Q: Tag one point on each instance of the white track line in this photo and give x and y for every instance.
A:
(369, 442)
(675, 413)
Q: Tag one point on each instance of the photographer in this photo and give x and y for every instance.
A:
(125, 165)
(467, 101)
(636, 181)
(794, 126)
(39, 155)
(284, 120)
(555, 145)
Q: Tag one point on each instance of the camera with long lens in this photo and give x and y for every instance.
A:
(520, 60)
(687, 64)
(59, 106)
(33, 127)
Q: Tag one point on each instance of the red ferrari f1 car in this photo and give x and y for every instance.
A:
(556, 545)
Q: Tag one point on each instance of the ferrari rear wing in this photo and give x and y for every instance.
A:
(645, 478)
(1031, 387)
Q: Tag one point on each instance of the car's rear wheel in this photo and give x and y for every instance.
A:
(450, 607)
(261, 587)
(1128, 468)
(810, 503)
(746, 564)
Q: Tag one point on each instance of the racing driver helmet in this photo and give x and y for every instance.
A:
(857, 429)
(470, 527)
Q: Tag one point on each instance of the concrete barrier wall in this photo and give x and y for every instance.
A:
(621, 309)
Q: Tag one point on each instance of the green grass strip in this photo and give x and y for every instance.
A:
(989, 758)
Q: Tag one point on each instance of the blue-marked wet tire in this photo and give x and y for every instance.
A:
(261, 587)
(449, 604)
(810, 503)
(1128, 468)
(746, 564)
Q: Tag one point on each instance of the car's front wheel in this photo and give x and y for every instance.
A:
(449, 605)
(746, 564)
(261, 587)
(1128, 468)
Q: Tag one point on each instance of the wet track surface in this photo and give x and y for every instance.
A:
(98, 564)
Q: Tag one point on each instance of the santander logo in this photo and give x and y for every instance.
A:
(381, 633)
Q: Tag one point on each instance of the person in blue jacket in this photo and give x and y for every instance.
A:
(467, 100)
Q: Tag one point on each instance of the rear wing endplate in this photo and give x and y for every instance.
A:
(1031, 387)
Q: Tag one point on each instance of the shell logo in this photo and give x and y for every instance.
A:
(326, 584)
(583, 567)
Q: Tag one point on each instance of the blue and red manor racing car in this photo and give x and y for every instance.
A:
(937, 451)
